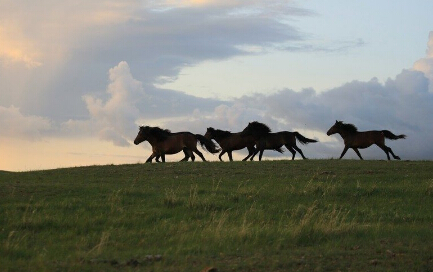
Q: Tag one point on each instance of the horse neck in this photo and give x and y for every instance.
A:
(152, 140)
(218, 136)
(345, 134)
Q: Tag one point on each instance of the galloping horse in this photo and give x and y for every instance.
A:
(362, 139)
(229, 141)
(274, 141)
(164, 142)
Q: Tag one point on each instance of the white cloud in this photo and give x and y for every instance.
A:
(16, 125)
(425, 64)
(113, 119)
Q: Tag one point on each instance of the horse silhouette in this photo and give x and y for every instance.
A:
(362, 139)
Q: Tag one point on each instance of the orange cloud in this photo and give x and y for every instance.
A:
(17, 49)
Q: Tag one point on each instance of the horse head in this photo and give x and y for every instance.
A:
(209, 133)
(339, 127)
(141, 136)
(334, 129)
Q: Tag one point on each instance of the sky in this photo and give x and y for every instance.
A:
(78, 78)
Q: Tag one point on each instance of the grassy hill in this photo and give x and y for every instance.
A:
(313, 215)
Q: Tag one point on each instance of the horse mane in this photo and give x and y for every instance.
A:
(257, 128)
(218, 133)
(348, 127)
(159, 133)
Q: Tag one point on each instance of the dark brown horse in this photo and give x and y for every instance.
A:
(229, 142)
(164, 142)
(362, 139)
(274, 141)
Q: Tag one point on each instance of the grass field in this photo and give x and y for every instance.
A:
(312, 215)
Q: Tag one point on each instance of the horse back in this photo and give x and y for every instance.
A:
(176, 142)
(364, 139)
(277, 139)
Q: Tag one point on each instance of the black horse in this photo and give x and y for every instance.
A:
(229, 142)
(274, 141)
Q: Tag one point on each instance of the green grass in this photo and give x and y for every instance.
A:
(312, 215)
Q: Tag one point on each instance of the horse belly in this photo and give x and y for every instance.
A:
(174, 145)
(173, 150)
(235, 142)
(363, 140)
(236, 146)
(267, 144)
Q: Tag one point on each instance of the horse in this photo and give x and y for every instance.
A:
(229, 141)
(362, 139)
(265, 139)
(163, 142)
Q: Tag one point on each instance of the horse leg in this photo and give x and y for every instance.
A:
(199, 154)
(388, 150)
(220, 155)
(192, 155)
(188, 153)
(300, 152)
(344, 151)
(162, 157)
(255, 153)
(357, 153)
(149, 160)
(291, 151)
(230, 155)
(250, 153)
(392, 153)
(185, 151)
(261, 154)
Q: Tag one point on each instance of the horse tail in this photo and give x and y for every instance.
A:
(302, 139)
(389, 135)
(208, 144)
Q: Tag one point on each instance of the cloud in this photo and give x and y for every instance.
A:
(73, 45)
(17, 49)
(113, 119)
(402, 105)
(115, 113)
(335, 47)
(66, 53)
(425, 64)
(18, 126)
